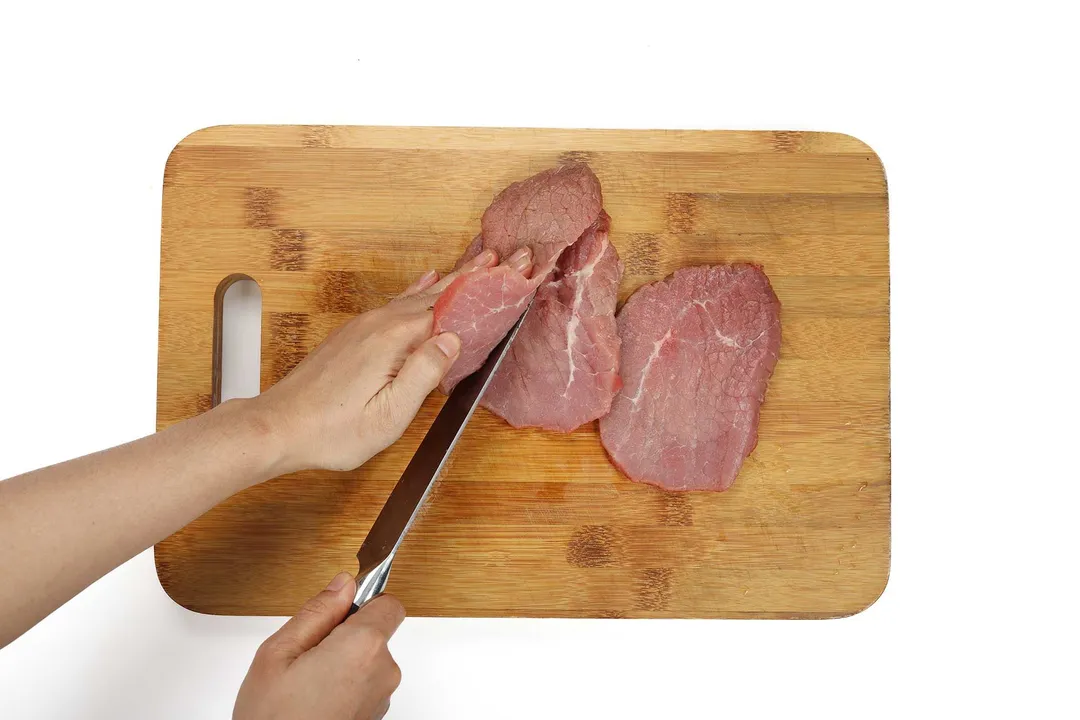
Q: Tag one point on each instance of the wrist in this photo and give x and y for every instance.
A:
(262, 437)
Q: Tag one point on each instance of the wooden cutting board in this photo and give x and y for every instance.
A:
(333, 221)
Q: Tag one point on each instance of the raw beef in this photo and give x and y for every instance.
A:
(563, 369)
(480, 307)
(697, 351)
(547, 212)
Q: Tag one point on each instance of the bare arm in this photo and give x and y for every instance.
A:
(64, 526)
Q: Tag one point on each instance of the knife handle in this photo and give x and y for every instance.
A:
(370, 585)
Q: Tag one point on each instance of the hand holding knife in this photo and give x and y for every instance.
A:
(377, 552)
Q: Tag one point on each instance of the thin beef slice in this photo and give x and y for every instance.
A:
(563, 368)
(698, 349)
(547, 212)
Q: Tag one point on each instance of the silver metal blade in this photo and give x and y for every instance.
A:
(423, 470)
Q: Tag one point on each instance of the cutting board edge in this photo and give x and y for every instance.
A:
(783, 140)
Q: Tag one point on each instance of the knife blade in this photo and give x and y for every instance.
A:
(398, 514)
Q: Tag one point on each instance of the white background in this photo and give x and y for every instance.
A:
(969, 110)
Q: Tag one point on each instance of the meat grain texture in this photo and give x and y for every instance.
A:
(698, 349)
(677, 379)
(548, 212)
(563, 368)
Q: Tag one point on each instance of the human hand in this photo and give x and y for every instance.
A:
(355, 394)
(317, 666)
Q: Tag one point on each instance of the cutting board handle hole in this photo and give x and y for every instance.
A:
(237, 338)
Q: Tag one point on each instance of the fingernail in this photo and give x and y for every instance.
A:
(339, 581)
(521, 259)
(449, 343)
(484, 258)
(427, 278)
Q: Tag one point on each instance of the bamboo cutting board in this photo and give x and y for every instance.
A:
(333, 221)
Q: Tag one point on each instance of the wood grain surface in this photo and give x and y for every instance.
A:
(332, 221)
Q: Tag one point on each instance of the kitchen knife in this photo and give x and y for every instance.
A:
(403, 505)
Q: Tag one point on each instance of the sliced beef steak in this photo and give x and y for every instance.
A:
(547, 212)
(698, 349)
(563, 369)
(480, 307)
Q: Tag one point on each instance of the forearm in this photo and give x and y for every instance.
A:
(64, 526)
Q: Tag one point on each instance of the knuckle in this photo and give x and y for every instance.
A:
(424, 319)
(393, 673)
(430, 358)
(412, 327)
(433, 364)
(272, 650)
(366, 642)
(314, 607)
(421, 302)
(266, 652)
(375, 637)
(390, 605)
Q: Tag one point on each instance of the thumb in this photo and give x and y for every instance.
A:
(422, 371)
(314, 621)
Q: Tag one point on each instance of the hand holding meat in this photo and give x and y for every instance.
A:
(355, 394)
